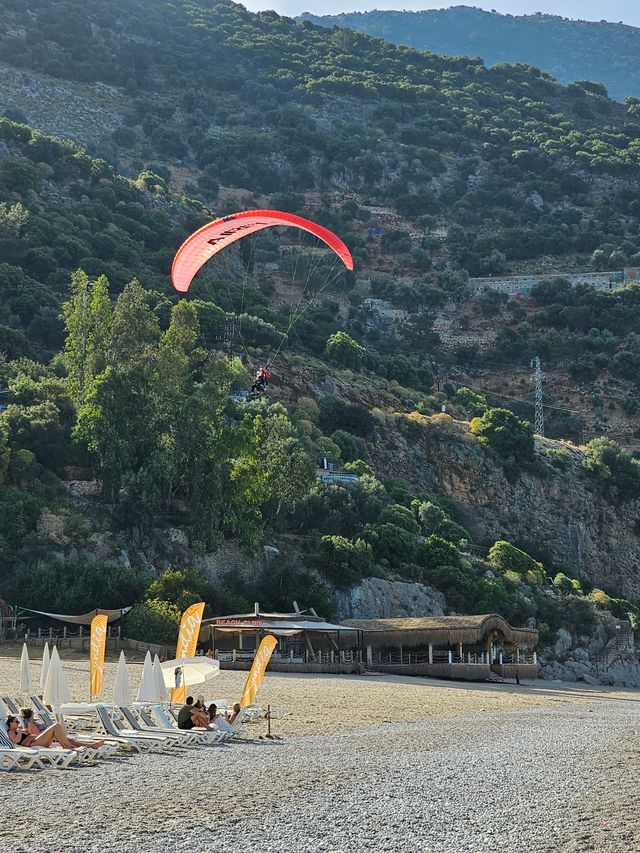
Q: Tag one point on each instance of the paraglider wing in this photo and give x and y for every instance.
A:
(207, 241)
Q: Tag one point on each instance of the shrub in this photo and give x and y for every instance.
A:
(400, 516)
(505, 433)
(394, 544)
(335, 414)
(505, 557)
(343, 351)
(431, 516)
(563, 583)
(615, 469)
(154, 621)
(436, 552)
(470, 401)
(342, 560)
(559, 457)
(351, 447)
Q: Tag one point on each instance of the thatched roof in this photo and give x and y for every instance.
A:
(440, 630)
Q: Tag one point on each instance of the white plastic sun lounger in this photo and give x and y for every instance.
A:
(163, 718)
(142, 740)
(36, 756)
(107, 750)
(174, 737)
(191, 737)
(129, 741)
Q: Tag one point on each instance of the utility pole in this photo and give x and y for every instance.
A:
(539, 411)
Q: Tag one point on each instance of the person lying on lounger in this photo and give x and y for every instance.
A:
(21, 737)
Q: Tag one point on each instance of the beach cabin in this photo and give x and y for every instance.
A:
(306, 642)
(470, 648)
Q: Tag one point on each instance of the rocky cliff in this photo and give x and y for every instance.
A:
(556, 514)
(553, 511)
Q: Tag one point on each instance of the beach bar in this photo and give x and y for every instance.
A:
(306, 642)
(461, 647)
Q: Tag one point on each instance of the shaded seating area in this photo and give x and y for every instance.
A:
(459, 647)
(306, 642)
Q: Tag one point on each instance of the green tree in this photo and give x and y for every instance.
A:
(343, 351)
(505, 433)
(615, 469)
(401, 516)
(135, 331)
(342, 560)
(505, 557)
(87, 317)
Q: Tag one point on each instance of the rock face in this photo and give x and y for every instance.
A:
(375, 598)
(556, 515)
(229, 558)
(607, 657)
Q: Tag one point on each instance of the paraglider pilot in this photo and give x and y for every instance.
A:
(261, 381)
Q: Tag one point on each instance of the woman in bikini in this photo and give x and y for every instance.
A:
(56, 733)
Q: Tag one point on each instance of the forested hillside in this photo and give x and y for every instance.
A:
(569, 50)
(128, 455)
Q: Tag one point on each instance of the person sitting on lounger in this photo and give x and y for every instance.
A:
(212, 712)
(185, 714)
(236, 711)
(29, 722)
(20, 737)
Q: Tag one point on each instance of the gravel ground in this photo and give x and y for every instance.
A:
(556, 775)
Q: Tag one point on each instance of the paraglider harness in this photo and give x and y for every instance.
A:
(261, 382)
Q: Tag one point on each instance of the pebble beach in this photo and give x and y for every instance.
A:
(368, 763)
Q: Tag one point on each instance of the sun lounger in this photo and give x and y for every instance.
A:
(36, 756)
(193, 737)
(175, 736)
(129, 737)
(163, 718)
(137, 744)
(107, 750)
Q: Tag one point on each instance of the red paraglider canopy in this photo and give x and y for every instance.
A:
(207, 241)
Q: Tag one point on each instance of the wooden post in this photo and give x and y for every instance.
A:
(535, 657)
(430, 652)
(517, 654)
(459, 650)
(400, 651)
(369, 655)
(450, 656)
(501, 660)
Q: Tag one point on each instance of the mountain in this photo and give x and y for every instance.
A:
(127, 455)
(569, 50)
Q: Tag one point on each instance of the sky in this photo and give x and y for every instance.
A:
(627, 11)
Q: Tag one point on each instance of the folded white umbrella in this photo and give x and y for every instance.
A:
(148, 691)
(26, 685)
(122, 688)
(192, 671)
(45, 666)
(56, 690)
(161, 690)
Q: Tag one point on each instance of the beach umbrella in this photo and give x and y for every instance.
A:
(147, 691)
(122, 697)
(26, 685)
(161, 690)
(195, 670)
(45, 666)
(56, 690)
